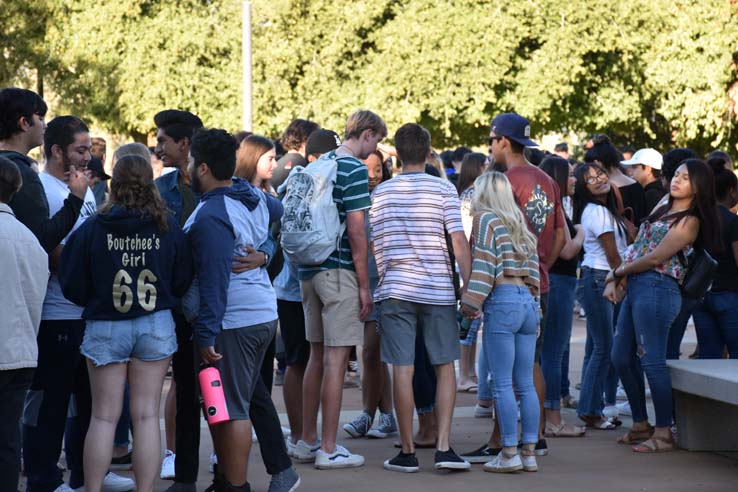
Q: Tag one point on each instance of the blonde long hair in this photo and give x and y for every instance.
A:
(493, 193)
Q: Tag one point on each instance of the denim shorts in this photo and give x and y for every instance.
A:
(148, 338)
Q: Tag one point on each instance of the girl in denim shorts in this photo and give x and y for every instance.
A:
(128, 266)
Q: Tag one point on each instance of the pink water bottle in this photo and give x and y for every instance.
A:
(212, 394)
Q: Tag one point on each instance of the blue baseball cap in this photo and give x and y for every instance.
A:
(514, 127)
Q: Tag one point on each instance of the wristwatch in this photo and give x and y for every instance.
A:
(266, 258)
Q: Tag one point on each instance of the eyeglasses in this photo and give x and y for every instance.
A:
(492, 139)
(590, 180)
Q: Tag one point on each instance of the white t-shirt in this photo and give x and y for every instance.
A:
(56, 306)
(409, 218)
(596, 221)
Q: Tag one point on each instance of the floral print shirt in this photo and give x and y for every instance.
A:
(649, 236)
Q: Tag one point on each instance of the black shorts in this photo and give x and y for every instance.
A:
(243, 352)
(292, 329)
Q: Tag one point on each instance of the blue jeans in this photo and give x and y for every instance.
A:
(556, 339)
(676, 332)
(599, 337)
(651, 305)
(509, 335)
(565, 372)
(716, 322)
(484, 377)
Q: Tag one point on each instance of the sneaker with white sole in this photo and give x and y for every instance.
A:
(359, 426)
(449, 460)
(290, 447)
(504, 464)
(64, 488)
(167, 466)
(529, 463)
(339, 458)
(610, 411)
(624, 409)
(116, 483)
(620, 395)
(213, 462)
(285, 481)
(403, 462)
(304, 452)
(481, 412)
(385, 428)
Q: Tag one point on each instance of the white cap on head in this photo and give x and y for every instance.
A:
(647, 157)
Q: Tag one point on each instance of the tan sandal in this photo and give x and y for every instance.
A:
(636, 437)
(655, 444)
(563, 430)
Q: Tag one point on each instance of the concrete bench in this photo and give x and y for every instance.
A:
(706, 403)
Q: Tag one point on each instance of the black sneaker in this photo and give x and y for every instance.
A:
(481, 455)
(449, 460)
(407, 463)
(124, 462)
(541, 447)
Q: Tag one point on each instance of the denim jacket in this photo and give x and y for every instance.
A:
(168, 186)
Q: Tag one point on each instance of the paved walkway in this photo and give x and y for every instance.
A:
(594, 462)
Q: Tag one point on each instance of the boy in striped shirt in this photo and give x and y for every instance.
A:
(410, 218)
(336, 299)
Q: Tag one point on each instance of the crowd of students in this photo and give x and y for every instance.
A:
(109, 285)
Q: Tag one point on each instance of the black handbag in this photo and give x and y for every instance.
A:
(700, 268)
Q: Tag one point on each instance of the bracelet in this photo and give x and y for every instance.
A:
(615, 273)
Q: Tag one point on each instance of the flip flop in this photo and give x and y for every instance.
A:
(468, 388)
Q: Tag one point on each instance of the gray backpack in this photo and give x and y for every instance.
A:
(311, 228)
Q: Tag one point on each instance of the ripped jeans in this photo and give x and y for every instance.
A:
(651, 304)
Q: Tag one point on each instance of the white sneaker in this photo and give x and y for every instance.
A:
(286, 432)
(116, 483)
(610, 411)
(339, 458)
(503, 464)
(213, 462)
(64, 488)
(167, 466)
(529, 463)
(481, 412)
(304, 452)
(624, 409)
(290, 447)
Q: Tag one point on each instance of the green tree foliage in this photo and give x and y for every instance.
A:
(654, 72)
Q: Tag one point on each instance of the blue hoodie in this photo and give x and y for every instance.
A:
(224, 223)
(119, 266)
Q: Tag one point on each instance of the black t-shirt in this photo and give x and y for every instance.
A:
(285, 165)
(654, 193)
(726, 276)
(566, 267)
(635, 198)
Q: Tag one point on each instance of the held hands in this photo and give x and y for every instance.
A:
(469, 312)
(253, 259)
(209, 355)
(614, 292)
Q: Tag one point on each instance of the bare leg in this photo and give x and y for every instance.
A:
(472, 363)
(404, 405)
(495, 440)
(445, 401)
(464, 377)
(427, 434)
(146, 379)
(385, 401)
(372, 379)
(335, 360)
(170, 417)
(233, 440)
(311, 385)
(107, 384)
(292, 393)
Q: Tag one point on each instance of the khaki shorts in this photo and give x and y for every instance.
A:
(331, 303)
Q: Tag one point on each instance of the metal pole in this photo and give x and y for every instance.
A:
(246, 62)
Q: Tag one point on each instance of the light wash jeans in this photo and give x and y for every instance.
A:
(509, 338)
(651, 304)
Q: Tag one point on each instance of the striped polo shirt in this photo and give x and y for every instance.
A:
(494, 257)
(351, 193)
(409, 218)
